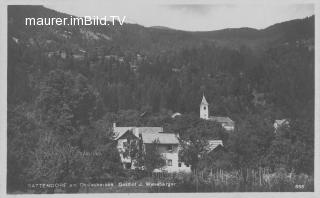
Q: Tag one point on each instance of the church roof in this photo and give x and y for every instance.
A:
(221, 119)
(204, 101)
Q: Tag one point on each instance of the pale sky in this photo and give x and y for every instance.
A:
(192, 17)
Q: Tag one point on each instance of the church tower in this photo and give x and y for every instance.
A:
(204, 109)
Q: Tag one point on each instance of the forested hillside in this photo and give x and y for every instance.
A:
(68, 84)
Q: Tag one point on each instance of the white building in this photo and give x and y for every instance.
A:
(225, 122)
(168, 146)
(280, 123)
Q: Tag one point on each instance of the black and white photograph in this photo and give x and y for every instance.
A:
(160, 97)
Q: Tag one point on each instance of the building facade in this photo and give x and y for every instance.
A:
(167, 146)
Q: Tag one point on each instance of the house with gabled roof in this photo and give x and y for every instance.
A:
(168, 146)
(213, 144)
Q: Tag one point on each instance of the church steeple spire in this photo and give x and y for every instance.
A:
(204, 108)
(204, 101)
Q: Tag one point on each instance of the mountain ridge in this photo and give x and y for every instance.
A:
(157, 38)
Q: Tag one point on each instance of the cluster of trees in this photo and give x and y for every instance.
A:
(143, 157)
(253, 144)
(58, 131)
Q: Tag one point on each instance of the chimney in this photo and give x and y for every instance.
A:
(114, 125)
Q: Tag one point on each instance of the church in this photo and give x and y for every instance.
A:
(225, 122)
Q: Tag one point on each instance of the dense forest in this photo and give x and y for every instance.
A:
(67, 85)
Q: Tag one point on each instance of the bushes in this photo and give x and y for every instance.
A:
(134, 175)
(238, 181)
(282, 181)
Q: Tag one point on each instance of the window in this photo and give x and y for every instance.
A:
(169, 162)
(179, 164)
(169, 147)
(204, 108)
